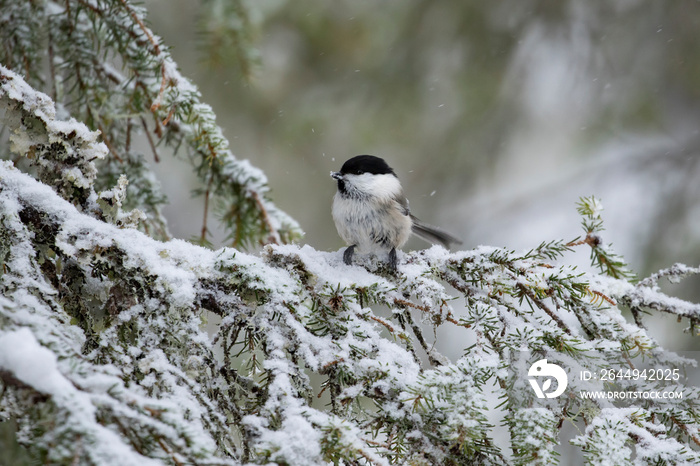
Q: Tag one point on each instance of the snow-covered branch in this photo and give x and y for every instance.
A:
(119, 348)
(63, 151)
(116, 318)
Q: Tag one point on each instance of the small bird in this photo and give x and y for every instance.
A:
(371, 212)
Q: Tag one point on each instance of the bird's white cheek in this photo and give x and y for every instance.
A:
(378, 186)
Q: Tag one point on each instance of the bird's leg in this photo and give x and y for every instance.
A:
(392, 260)
(347, 255)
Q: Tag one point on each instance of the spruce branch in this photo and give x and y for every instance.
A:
(103, 354)
(602, 255)
(63, 151)
(296, 324)
(87, 38)
(187, 120)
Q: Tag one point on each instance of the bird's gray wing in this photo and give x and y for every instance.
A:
(403, 203)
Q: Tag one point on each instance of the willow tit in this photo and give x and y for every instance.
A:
(371, 212)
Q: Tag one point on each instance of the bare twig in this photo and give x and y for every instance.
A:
(590, 239)
(383, 322)
(273, 237)
(150, 140)
(685, 429)
(143, 27)
(603, 296)
(108, 143)
(207, 193)
(544, 307)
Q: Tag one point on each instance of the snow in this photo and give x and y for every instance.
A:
(282, 296)
(612, 428)
(177, 264)
(646, 294)
(31, 363)
(137, 349)
(79, 234)
(36, 366)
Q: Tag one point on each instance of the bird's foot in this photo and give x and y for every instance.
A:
(393, 261)
(347, 255)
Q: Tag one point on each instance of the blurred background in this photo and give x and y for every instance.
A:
(497, 116)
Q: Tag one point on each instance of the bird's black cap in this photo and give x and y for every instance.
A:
(366, 164)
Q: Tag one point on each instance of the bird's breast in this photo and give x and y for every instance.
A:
(371, 224)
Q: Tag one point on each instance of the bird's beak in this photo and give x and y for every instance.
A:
(336, 175)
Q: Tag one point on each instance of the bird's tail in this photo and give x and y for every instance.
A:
(433, 234)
